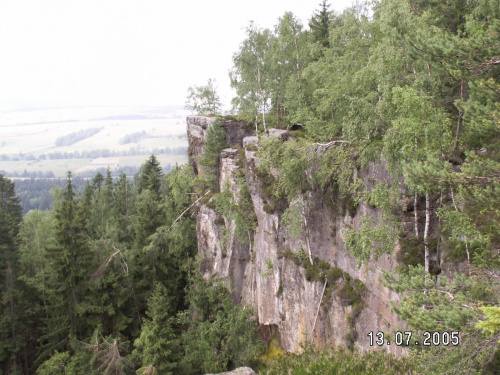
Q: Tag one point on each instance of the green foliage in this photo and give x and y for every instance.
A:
(387, 199)
(320, 25)
(340, 361)
(220, 335)
(273, 202)
(293, 220)
(252, 76)
(269, 268)
(438, 304)
(209, 159)
(370, 240)
(411, 252)
(158, 345)
(351, 292)
(224, 201)
(239, 210)
(56, 365)
(413, 83)
(71, 263)
(291, 159)
(432, 305)
(336, 168)
(68, 140)
(204, 100)
(490, 326)
(334, 274)
(150, 176)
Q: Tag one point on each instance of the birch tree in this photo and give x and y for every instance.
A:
(252, 74)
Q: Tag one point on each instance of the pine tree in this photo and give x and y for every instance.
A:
(158, 344)
(11, 335)
(149, 216)
(150, 176)
(122, 209)
(220, 336)
(72, 264)
(320, 25)
(10, 218)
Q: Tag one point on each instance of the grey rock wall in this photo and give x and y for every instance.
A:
(273, 285)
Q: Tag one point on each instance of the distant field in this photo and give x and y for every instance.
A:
(28, 139)
(60, 167)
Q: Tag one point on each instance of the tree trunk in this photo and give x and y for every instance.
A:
(426, 232)
(319, 305)
(415, 203)
(460, 114)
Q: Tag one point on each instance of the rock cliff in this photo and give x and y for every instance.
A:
(266, 273)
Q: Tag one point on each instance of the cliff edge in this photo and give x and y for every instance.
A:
(270, 271)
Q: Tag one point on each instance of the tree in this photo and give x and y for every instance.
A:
(290, 58)
(150, 176)
(419, 133)
(158, 344)
(122, 209)
(204, 100)
(71, 260)
(10, 218)
(320, 25)
(106, 356)
(215, 142)
(252, 76)
(11, 332)
(220, 336)
(443, 305)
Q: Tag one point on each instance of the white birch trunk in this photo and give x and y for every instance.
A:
(426, 232)
(416, 214)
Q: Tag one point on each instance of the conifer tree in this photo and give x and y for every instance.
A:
(122, 209)
(72, 264)
(11, 335)
(150, 176)
(320, 25)
(220, 335)
(159, 344)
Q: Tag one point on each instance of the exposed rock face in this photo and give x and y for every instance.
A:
(197, 128)
(238, 371)
(273, 284)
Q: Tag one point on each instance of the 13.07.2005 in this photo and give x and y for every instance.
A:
(405, 338)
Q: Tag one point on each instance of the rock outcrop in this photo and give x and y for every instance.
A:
(238, 371)
(264, 276)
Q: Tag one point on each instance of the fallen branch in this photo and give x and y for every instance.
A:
(331, 143)
(326, 146)
(491, 62)
(100, 271)
(186, 210)
(319, 305)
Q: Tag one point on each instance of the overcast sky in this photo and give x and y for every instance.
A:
(125, 52)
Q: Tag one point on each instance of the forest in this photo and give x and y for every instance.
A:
(107, 281)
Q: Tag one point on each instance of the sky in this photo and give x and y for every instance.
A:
(61, 53)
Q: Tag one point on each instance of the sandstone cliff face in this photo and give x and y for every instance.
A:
(284, 302)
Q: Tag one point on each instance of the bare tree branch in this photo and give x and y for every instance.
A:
(186, 210)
